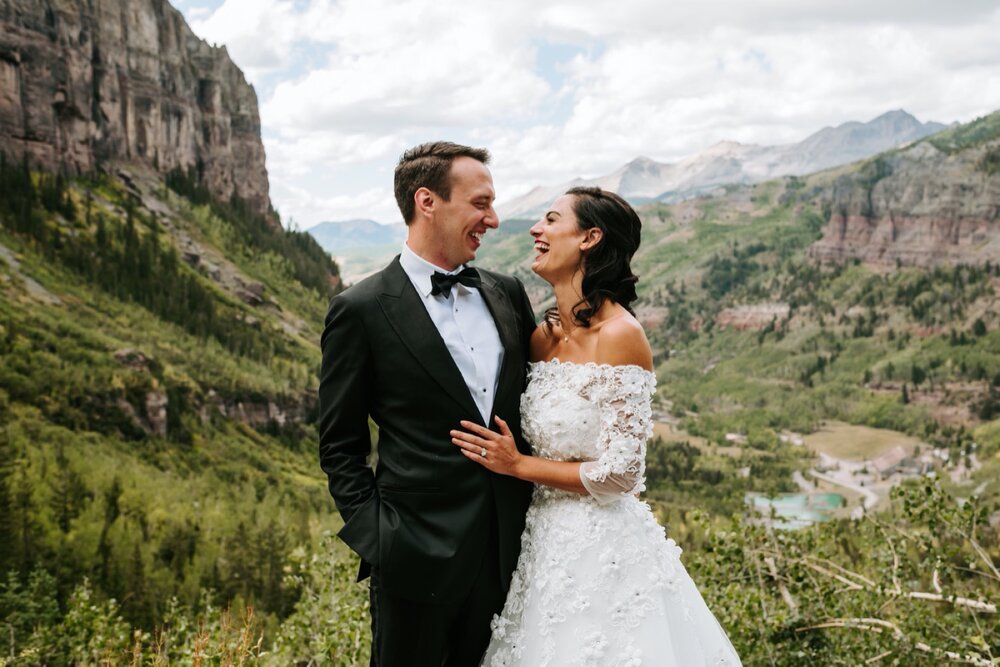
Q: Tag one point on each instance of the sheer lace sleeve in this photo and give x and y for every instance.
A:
(626, 424)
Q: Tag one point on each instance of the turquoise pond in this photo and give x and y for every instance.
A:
(796, 510)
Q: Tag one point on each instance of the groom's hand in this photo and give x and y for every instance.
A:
(494, 451)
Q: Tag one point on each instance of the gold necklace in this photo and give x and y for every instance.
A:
(565, 334)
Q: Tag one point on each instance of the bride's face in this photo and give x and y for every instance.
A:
(559, 241)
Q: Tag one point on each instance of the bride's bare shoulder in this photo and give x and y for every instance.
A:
(621, 341)
(542, 341)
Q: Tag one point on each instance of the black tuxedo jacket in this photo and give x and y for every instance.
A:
(422, 517)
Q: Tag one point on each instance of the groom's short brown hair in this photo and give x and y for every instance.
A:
(429, 166)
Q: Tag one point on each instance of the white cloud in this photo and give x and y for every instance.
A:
(198, 12)
(352, 83)
(397, 67)
(259, 34)
(301, 205)
(671, 98)
(297, 154)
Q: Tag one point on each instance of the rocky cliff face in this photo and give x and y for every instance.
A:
(923, 205)
(89, 82)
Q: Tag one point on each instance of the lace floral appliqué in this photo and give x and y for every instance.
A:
(598, 583)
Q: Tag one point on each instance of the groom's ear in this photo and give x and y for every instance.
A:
(424, 200)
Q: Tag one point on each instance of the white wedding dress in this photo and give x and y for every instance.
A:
(597, 582)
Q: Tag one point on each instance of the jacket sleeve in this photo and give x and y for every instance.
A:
(344, 440)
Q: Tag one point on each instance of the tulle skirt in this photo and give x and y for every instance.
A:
(602, 585)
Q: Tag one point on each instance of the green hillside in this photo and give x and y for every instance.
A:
(156, 411)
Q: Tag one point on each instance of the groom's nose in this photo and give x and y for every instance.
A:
(491, 219)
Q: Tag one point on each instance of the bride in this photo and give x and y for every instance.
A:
(597, 582)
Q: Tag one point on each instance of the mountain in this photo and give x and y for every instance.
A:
(934, 202)
(359, 246)
(158, 339)
(338, 236)
(854, 141)
(83, 84)
(729, 162)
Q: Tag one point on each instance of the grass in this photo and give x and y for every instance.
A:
(671, 434)
(856, 443)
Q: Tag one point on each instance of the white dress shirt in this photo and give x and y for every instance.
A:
(466, 326)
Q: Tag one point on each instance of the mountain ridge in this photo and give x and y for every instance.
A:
(339, 235)
(643, 179)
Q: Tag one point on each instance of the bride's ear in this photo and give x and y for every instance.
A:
(591, 239)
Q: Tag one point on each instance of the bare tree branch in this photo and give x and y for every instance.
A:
(986, 607)
(785, 594)
(878, 625)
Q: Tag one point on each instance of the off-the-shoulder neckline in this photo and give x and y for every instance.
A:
(589, 364)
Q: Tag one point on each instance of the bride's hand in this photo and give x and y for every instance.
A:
(494, 451)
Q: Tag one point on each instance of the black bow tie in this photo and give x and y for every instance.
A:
(441, 283)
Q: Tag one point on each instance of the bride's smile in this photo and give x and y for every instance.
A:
(559, 241)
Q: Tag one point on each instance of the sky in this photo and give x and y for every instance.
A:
(557, 90)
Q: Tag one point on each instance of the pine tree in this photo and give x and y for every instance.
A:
(23, 517)
(136, 601)
(7, 556)
(68, 490)
(111, 512)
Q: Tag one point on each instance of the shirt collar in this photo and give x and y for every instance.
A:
(420, 270)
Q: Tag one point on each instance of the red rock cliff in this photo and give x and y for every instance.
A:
(88, 82)
(923, 205)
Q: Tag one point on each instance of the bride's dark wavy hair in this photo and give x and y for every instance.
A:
(607, 270)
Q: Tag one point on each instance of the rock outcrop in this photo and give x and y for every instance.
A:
(919, 206)
(753, 317)
(86, 83)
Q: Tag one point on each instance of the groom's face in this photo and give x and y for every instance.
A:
(460, 223)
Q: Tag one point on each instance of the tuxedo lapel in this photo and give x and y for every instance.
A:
(409, 319)
(505, 320)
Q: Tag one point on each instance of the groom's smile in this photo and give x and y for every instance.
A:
(465, 217)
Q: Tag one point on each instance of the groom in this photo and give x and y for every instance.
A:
(419, 346)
